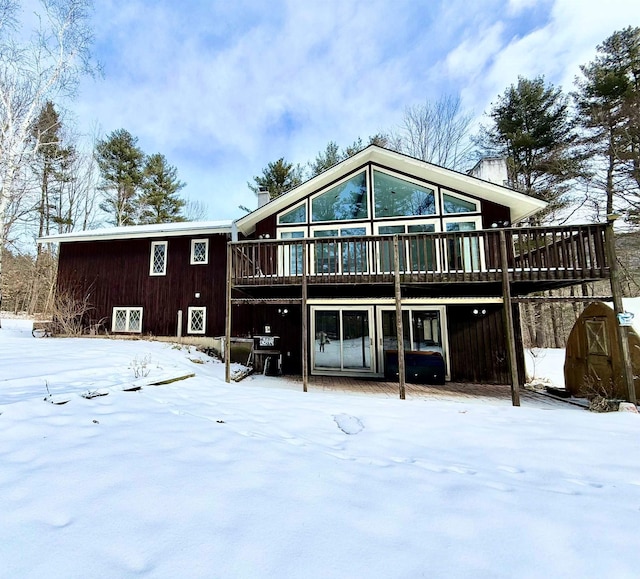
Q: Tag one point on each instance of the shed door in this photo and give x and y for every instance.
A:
(598, 349)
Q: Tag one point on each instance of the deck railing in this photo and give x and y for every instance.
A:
(533, 253)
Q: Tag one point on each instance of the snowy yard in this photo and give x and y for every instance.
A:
(198, 478)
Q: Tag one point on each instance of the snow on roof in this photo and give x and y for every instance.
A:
(141, 231)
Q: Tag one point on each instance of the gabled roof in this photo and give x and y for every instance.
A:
(522, 206)
(142, 231)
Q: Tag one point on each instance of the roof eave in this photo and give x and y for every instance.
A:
(88, 236)
(446, 177)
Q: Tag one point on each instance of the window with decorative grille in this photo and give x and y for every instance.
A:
(127, 320)
(158, 258)
(197, 320)
(199, 251)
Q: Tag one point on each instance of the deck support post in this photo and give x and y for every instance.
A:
(227, 321)
(616, 291)
(510, 333)
(399, 327)
(305, 322)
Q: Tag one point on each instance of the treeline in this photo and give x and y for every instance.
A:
(577, 150)
(51, 179)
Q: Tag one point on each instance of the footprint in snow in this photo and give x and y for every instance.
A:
(511, 469)
(348, 424)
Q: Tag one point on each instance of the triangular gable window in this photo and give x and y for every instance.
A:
(396, 197)
(296, 215)
(343, 202)
(456, 205)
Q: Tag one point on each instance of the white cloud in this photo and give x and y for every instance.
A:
(555, 49)
(222, 88)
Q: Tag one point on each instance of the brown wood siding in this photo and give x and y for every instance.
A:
(494, 213)
(266, 227)
(478, 351)
(116, 273)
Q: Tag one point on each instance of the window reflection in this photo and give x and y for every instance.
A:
(455, 205)
(397, 197)
(345, 201)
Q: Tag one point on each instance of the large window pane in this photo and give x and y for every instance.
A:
(464, 252)
(326, 251)
(356, 345)
(293, 253)
(327, 343)
(426, 330)
(390, 331)
(297, 215)
(422, 249)
(354, 253)
(455, 205)
(343, 202)
(397, 197)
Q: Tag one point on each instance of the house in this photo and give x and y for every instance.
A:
(163, 280)
(331, 273)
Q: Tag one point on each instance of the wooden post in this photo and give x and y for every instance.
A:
(227, 324)
(616, 292)
(179, 332)
(510, 333)
(399, 328)
(305, 322)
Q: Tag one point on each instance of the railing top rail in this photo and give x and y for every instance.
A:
(493, 230)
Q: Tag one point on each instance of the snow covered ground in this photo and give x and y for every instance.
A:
(203, 479)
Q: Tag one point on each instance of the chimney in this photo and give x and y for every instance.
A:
(493, 169)
(263, 196)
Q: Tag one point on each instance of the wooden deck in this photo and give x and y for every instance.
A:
(562, 255)
(499, 394)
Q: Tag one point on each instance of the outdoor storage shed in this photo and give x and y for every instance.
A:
(593, 363)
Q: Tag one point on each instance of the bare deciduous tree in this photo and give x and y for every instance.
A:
(46, 67)
(436, 132)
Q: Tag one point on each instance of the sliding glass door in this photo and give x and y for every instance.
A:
(342, 339)
(423, 329)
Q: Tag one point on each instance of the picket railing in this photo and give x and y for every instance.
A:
(533, 254)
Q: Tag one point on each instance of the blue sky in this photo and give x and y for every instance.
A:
(223, 87)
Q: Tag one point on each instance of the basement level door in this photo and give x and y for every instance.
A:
(342, 340)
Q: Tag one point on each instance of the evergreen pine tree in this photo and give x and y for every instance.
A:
(159, 201)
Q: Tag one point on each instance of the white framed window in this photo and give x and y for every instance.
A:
(127, 320)
(453, 203)
(158, 263)
(342, 339)
(346, 201)
(290, 256)
(332, 256)
(417, 254)
(465, 253)
(199, 251)
(296, 215)
(396, 196)
(197, 321)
